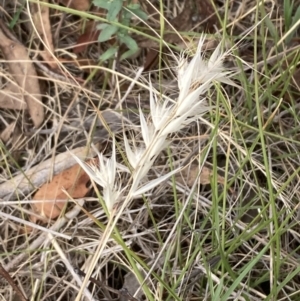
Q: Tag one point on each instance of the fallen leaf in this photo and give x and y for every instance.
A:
(27, 181)
(90, 32)
(190, 174)
(11, 97)
(73, 180)
(151, 60)
(6, 135)
(41, 23)
(23, 72)
(77, 4)
(205, 15)
(89, 36)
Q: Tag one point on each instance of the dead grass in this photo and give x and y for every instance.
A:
(186, 239)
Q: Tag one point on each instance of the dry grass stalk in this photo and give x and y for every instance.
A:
(194, 80)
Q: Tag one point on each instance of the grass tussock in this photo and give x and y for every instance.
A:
(195, 192)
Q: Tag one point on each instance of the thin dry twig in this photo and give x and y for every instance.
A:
(8, 278)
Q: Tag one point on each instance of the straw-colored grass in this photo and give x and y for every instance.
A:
(196, 193)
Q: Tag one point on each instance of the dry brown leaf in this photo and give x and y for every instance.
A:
(41, 23)
(73, 180)
(190, 173)
(89, 36)
(8, 132)
(11, 134)
(23, 71)
(28, 180)
(77, 4)
(151, 59)
(11, 97)
(205, 15)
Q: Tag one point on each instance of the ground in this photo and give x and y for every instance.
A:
(215, 215)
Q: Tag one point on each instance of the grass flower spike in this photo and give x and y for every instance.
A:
(194, 79)
(160, 175)
(105, 176)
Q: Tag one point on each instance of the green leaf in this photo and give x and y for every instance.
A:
(107, 33)
(109, 53)
(103, 4)
(139, 13)
(133, 6)
(126, 17)
(102, 26)
(129, 42)
(114, 10)
(295, 18)
(287, 10)
(246, 270)
(128, 54)
(271, 27)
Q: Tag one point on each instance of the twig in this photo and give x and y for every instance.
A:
(8, 278)
(49, 73)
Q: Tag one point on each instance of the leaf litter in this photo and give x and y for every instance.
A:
(53, 195)
(36, 176)
(22, 70)
(137, 217)
(50, 207)
(54, 190)
(41, 25)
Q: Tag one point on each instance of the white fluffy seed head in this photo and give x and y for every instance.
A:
(194, 80)
(105, 176)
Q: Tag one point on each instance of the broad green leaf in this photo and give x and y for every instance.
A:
(102, 26)
(114, 10)
(133, 6)
(139, 13)
(128, 41)
(128, 54)
(107, 33)
(126, 17)
(106, 4)
(109, 53)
